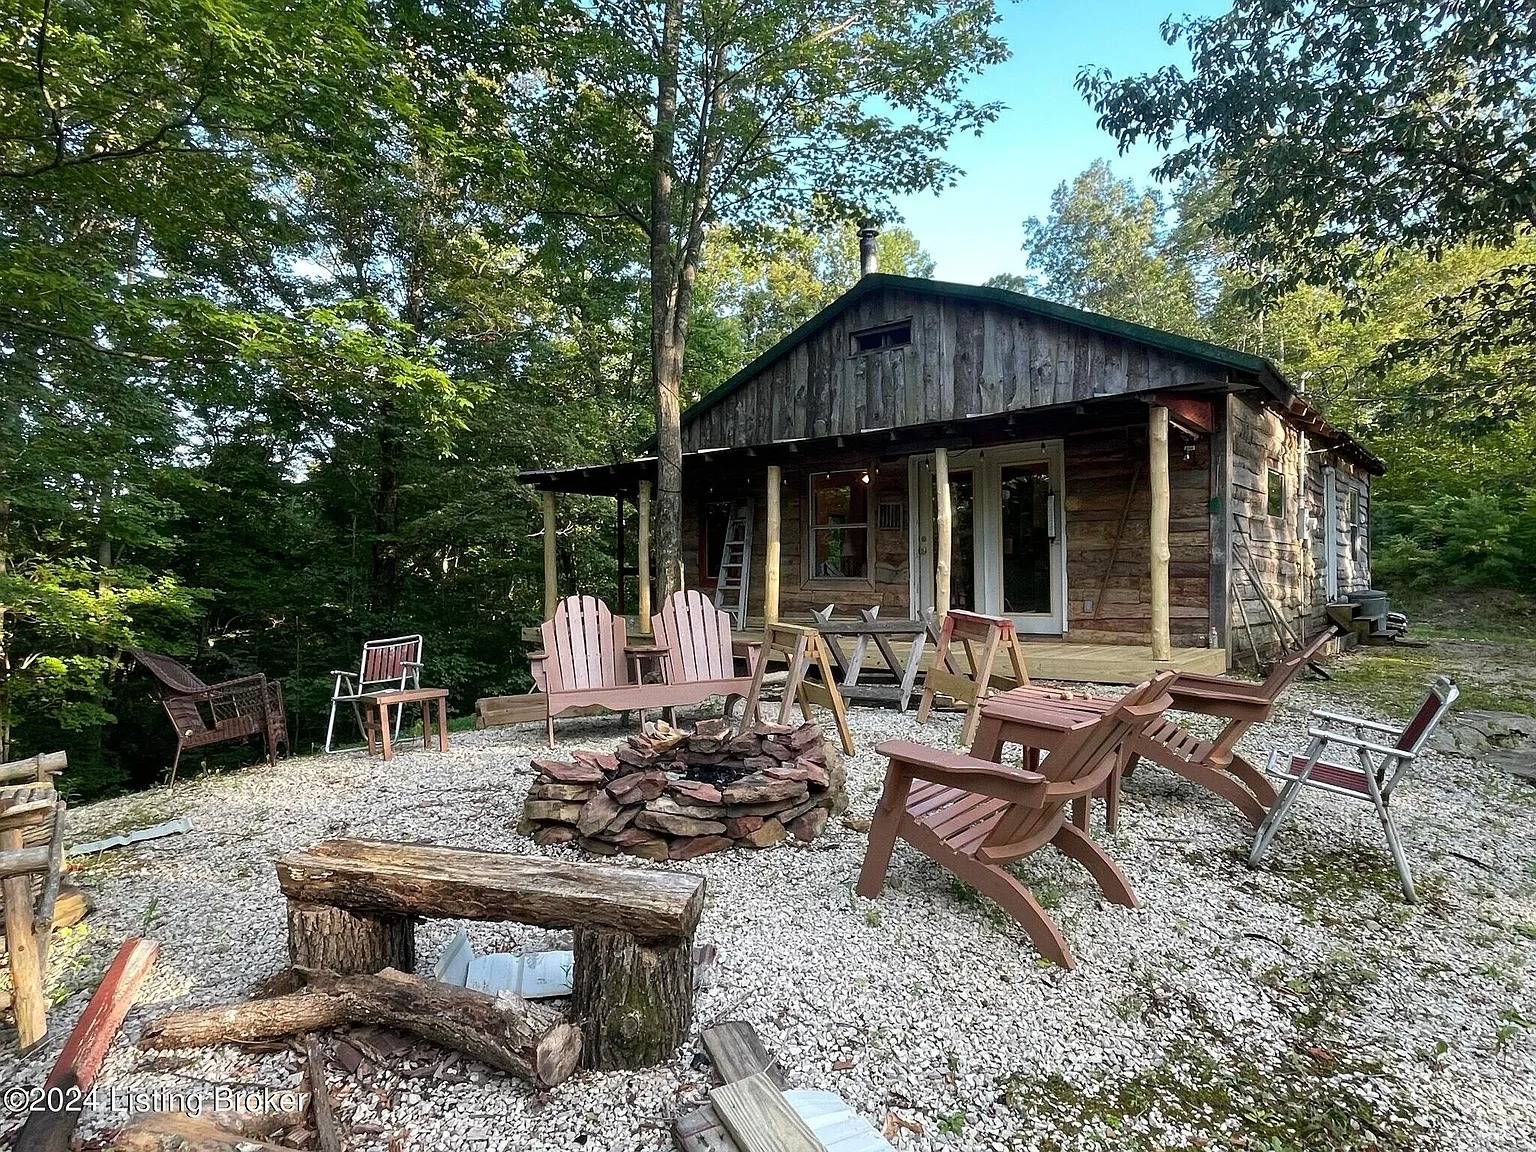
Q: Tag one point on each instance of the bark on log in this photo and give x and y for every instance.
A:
(519, 1038)
(331, 939)
(634, 999)
(178, 1132)
(373, 877)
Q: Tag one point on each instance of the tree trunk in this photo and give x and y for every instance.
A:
(666, 348)
(519, 1038)
(384, 568)
(634, 1000)
(335, 940)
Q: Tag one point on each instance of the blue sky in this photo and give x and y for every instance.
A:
(1047, 132)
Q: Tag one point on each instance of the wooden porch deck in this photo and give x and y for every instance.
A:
(1047, 658)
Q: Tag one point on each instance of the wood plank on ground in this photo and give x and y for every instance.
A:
(78, 1063)
(736, 1052)
(701, 1130)
(756, 1114)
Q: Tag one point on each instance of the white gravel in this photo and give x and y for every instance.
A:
(1299, 991)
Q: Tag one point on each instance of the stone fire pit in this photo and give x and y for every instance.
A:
(672, 794)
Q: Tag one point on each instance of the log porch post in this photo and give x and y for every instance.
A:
(643, 557)
(1157, 530)
(551, 588)
(943, 533)
(771, 547)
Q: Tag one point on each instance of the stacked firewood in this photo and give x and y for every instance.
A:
(672, 794)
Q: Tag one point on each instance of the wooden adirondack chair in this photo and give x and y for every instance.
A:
(583, 665)
(387, 664)
(974, 816)
(205, 714)
(1216, 765)
(699, 657)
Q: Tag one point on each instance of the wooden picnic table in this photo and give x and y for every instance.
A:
(867, 630)
(1039, 719)
(399, 698)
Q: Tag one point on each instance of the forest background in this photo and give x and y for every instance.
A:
(290, 293)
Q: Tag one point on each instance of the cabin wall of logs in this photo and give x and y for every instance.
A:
(1283, 541)
(670, 794)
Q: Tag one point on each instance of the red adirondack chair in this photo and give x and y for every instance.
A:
(974, 816)
(1216, 765)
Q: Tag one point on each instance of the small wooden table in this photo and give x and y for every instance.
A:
(1039, 719)
(871, 629)
(426, 697)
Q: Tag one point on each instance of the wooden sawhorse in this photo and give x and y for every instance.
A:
(802, 647)
(971, 686)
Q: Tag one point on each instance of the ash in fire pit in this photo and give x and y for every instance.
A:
(673, 794)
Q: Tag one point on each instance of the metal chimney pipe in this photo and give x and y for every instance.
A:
(869, 260)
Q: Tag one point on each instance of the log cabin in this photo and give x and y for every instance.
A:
(1131, 498)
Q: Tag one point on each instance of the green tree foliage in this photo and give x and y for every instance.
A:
(291, 292)
(666, 118)
(1376, 166)
(1106, 246)
(758, 286)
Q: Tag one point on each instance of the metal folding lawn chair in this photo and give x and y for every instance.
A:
(1367, 765)
(387, 665)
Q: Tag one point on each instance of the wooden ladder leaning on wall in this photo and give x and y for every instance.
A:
(735, 564)
(802, 648)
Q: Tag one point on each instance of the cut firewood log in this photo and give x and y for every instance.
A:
(519, 1038)
(77, 1065)
(326, 1130)
(178, 1132)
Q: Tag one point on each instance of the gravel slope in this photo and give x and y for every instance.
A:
(1302, 1001)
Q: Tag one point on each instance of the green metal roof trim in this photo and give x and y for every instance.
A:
(1263, 370)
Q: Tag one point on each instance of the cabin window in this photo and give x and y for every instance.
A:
(839, 525)
(1275, 494)
(1356, 520)
(881, 338)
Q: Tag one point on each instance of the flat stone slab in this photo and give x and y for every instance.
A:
(1478, 731)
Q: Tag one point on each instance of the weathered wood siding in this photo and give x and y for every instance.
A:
(1109, 498)
(886, 583)
(1287, 553)
(965, 359)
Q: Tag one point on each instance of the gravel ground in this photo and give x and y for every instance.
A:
(1302, 1004)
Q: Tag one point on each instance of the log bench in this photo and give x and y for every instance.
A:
(353, 904)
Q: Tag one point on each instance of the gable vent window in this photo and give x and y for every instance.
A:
(881, 338)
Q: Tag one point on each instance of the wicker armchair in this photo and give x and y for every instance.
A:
(216, 713)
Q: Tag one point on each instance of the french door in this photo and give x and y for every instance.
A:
(1008, 536)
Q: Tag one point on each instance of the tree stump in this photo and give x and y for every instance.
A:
(633, 998)
(348, 942)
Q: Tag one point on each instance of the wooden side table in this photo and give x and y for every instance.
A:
(427, 698)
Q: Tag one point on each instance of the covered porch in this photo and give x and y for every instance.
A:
(1097, 528)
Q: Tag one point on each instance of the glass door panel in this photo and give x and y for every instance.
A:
(1026, 509)
(962, 562)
